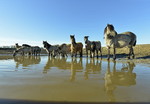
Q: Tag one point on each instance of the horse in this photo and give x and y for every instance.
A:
(92, 46)
(52, 50)
(115, 40)
(36, 50)
(75, 47)
(23, 51)
(27, 49)
(64, 49)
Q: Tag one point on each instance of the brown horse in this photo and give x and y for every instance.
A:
(75, 47)
(121, 40)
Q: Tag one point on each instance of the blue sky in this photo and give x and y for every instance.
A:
(32, 21)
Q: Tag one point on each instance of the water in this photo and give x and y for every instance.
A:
(73, 80)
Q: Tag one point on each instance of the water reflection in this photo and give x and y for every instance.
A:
(96, 80)
(122, 77)
(60, 63)
(76, 66)
(92, 66)
(25, 61)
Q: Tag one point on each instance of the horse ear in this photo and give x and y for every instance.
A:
(72, 35)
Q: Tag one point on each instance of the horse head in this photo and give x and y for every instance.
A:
(109, 27)
(46, 44)
(86, 39)
(109, 31)
(16, 44)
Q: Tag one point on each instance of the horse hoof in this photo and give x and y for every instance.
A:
(114, 59)
(133, 57)
(128, 57)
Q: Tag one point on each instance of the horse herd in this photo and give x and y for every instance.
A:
(112, 40)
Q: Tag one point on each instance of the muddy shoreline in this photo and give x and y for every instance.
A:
(120, 58)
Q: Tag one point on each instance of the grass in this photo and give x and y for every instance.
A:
(142, 52)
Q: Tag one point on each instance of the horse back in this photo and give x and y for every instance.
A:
(97, 44)
(80, 44)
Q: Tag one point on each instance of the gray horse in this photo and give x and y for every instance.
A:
(115, 40)
(92, 46)
(52, 50)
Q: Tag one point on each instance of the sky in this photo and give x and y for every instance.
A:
(34, 21)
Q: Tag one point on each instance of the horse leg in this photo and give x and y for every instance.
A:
(90, 54)
(133, 53)
(71, 54)
(81, 53)
(93, 54)
(66, 55)
(22, 53)
(86, 52)
(114, 55)
(108, 57)
(75, 54)
(97, 53)
(130, 50)
(100, 52)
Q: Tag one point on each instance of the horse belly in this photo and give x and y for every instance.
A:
(122, 44)
(123, 41)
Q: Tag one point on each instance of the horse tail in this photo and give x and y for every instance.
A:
(134, 43)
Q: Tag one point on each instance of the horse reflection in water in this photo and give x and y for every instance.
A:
(123, 77)
(76, 66)
(60, 63)
(92, 67)
(25, 61)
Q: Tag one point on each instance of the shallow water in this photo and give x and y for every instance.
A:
(73, 80)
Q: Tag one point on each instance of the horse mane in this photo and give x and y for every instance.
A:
(26, 45)
(110, 26)
(62, 45)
